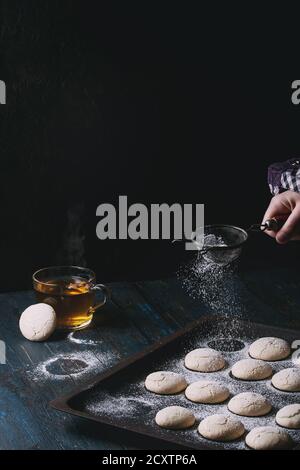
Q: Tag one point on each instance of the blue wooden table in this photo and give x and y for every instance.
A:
(139, 314)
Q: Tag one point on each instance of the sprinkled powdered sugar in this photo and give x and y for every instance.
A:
(129, 401)
(86, 361)
(81, 364)
(215, 284)
(212, 283)
(86, 342)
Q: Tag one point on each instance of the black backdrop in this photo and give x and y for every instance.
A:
(166, 105)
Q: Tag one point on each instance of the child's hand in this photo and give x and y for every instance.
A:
(285, 205)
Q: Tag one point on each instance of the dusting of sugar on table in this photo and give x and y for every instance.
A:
(80, 364)
(82, 341)
(132, 400)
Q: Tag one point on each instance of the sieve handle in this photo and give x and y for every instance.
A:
(274, 224)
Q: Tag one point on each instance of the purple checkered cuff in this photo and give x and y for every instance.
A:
(284, 175)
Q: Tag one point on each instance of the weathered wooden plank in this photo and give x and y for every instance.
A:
(124, 326)
(27, 421)
(141, 313)
(172, 302)
(253, 298)
(112, 331)
(279, 292)
(138, 315)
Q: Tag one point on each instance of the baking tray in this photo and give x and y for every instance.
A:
(118, 399)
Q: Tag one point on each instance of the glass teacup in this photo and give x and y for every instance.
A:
(71, 291)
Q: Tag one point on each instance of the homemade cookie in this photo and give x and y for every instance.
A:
(165, 383)
(38, 322)
(204, 360)
(249, 404)
(268, 438)
(251, 369)
(287, 380)
(221, 428)
(175, 417)
(270, 349)
(289, 416)
(207, 391)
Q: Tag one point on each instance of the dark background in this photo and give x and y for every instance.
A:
(160, 104)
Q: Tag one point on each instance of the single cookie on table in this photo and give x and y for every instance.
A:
(165, 382)
(287, 380)
(221, 427)
(251, 369)
(270, 349)
(207, 391)
(268, 438)
(289, 416)
(175, 417)
(204, 360)
(249, 404)
(38, 322)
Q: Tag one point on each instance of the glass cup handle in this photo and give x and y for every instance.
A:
(106, 292)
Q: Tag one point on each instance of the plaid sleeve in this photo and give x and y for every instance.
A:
(284, 175)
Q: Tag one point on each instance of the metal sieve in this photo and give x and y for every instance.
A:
(230, 240)
(229, 249)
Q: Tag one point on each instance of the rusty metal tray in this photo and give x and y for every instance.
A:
(118, 399)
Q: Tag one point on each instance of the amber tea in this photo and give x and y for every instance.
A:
(71, 292)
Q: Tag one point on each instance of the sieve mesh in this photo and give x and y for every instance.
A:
(222, 243)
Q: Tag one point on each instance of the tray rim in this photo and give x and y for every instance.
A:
(61, 403)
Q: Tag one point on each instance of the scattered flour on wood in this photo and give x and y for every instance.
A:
(128, 402)
(81, 364)
(83, 341)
